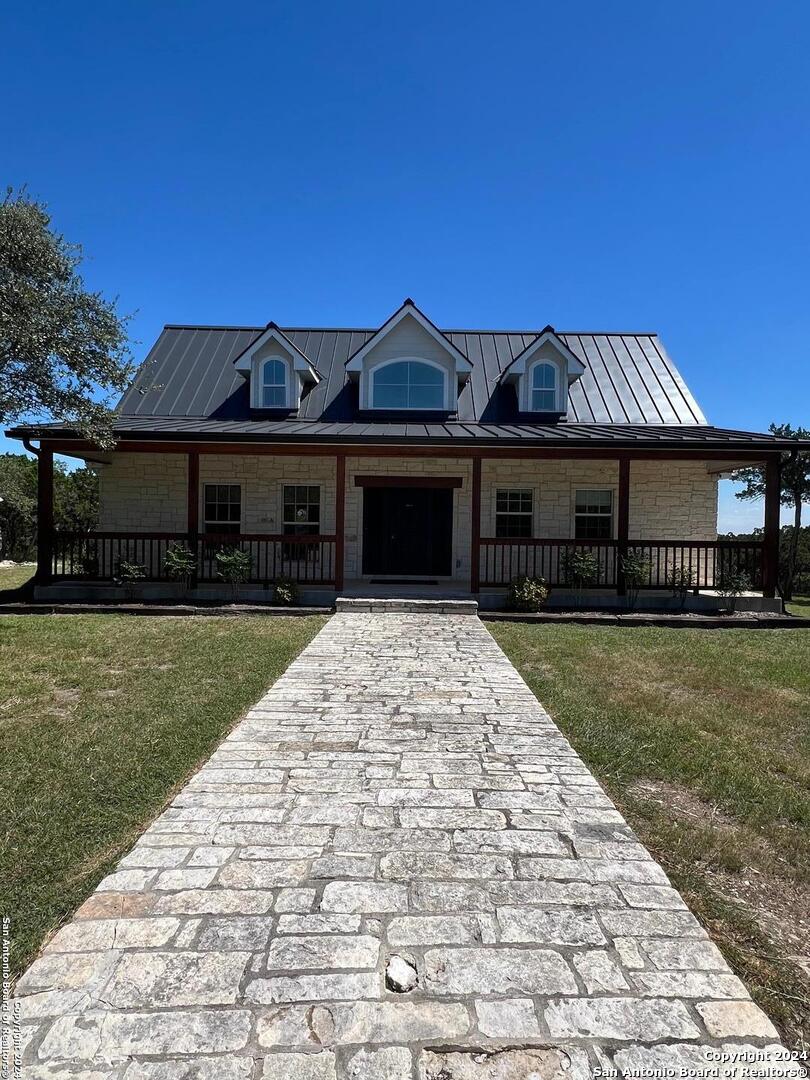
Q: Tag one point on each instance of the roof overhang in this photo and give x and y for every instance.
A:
(354, 364)
(548, 336)
(301, 364)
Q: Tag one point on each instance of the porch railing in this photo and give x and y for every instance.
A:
(96, 556)
(707, 563)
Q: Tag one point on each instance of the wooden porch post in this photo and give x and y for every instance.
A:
(622, 522)
(193, 514)
(770, 551)
(340, 518)
(475, 526)
(44, 516)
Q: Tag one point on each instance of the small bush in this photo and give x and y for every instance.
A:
(636, 570)
(129, 574)
(285, 591)
(581, 567)
(732, 582)
(527, 594)
(680, 580)
(180, 563)
(234, 567)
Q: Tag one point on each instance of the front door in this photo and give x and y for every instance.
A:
(408, 531)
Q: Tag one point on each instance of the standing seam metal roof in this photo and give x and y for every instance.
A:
(629, 379)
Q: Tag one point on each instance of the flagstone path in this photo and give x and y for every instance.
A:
(394, 868)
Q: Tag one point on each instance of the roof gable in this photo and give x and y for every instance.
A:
(409, 310)
(272, 333)
(547, 336)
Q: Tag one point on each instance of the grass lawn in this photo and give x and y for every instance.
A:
(703, 739)
(102, 718)
(799, 605)
(12, 577)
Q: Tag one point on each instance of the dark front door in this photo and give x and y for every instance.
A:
(407, 531)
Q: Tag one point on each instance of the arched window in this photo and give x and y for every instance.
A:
(544, 388)
(408, 384)
(274, 384)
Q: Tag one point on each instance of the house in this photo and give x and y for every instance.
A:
(408, 458)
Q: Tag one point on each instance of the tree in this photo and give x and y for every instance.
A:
(60, 345)
(794, 490)
(75, 503)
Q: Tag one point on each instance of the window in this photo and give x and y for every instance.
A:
(513, 513)
(222, 508)
(593, 515)
(544, 388)
(301, 517)
(408, 384)
(274, 384)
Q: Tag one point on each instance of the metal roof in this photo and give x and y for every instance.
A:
(630, 394)
(628, 379)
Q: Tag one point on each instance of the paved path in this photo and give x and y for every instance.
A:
(394, 859)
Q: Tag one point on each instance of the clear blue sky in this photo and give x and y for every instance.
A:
(610, 166)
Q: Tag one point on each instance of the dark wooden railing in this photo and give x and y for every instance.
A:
(706, 563)
(97, 556)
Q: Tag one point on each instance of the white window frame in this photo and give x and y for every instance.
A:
(594, 487)
(532, 515)
(257, 383)
(225, 481)
(530, 389)
(371, 375)
(300, 483)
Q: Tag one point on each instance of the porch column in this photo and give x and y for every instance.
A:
(622, 522)
(475, 526)
(340, 518)
(193, 513)
(770, 551)
(44, 516)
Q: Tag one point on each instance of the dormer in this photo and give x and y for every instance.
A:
(541, 375)
(408, 366)
(278, 372)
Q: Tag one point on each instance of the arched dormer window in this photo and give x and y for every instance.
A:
(543, 388)
(274, 392)
(409, 384)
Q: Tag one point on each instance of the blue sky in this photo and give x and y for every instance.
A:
(628, 166)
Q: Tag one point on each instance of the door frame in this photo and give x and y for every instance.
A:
(404, 480)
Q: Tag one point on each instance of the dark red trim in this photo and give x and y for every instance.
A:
(475, 529)
(340, 518)
(623, 521)
(409, 481)
(770, 567)
(44, 516)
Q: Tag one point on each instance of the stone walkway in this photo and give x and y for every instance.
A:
(394, 868)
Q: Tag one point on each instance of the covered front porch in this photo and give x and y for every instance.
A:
(410, 520)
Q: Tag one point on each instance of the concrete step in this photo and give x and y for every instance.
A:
(407, 605)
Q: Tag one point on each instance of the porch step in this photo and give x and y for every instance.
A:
(407, 605)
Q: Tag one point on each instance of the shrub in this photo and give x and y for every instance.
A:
(636, 570)
(732, 582)
(285, 591)
(234, 566)
(680, 580)
(527, 593)
(581, 567)
(180, 563)
(128, 575)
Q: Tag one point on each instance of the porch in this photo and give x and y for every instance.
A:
(468, 520)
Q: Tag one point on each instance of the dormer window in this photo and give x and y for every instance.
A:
(544, 388)
(409, 384)
(541, 376)
(274, 393)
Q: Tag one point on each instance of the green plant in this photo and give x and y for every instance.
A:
(128, 575)
(527, 593)
(732, 582)
(581, 568)
(180, 563)
(285, 591)
(680, 580)
(636, 570)
(234, 567)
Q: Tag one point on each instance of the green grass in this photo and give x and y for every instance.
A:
(102, 718)
(12, 577)
(703, 739)
(799, 605)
